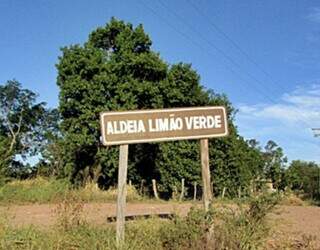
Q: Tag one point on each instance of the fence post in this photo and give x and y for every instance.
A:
(182, 190)
(194, 190)
(154, 187)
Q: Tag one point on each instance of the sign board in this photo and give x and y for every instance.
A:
(124, 127)
(140, 126)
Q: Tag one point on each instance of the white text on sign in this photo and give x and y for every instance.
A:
(163, 124)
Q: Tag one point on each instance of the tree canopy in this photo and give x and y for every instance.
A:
(304, 177)
(116, 69)
(24, 123)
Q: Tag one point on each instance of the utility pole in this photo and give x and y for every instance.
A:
(316, 132)
(319, 181)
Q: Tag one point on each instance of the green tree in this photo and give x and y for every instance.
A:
(22, 121)
(114, 70)
(117, 70)
(274, 163)
(51, 163)
(236, 164)
(304, 177)
(177, 160)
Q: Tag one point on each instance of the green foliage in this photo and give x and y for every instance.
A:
(304, 177)
(245, 228)
(260, 206)
(117, 70)
(35, 190)
(228, 227)
(114, 70)
(189, 232)
(236, 164)
(274, 163)
(43, 190)
(23, 125)
(175, 161)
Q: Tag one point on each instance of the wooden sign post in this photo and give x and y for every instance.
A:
(122, 193)
(141, 126)
(205, 172)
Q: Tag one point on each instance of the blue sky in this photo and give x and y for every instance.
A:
(263, 54)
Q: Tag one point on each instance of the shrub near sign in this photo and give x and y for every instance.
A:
(126, 127)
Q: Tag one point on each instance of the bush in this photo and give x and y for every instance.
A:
(188, 232)
(227, 227)
(244, 227)
(291, 199)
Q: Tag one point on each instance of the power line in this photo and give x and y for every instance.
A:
(220, 51)
(234, 43)
(230, 59)
(199, 45)
(243, 52)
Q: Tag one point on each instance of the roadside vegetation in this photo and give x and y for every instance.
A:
(117, 69)
(43, 190)
(226, 227)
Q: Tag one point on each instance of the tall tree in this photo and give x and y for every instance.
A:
(274, 163)
(22, 121)
(304, 177)
(116, 69)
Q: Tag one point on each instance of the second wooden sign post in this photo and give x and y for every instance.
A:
(205, 172)
(141, 126)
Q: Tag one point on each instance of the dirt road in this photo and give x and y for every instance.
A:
(44, 215)
(294, 220)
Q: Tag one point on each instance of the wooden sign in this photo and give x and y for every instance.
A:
(125, 127)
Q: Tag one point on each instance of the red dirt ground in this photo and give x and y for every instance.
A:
(293, 220)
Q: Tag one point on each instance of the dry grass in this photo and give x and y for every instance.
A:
(292, 199)
(41, 190)
(247, 228)
(92, 193)
(280, 240)
(69, 213)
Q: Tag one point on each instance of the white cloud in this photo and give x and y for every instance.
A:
(302, 105)
(288, 121)
(314, 16)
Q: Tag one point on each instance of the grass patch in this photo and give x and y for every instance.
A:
(291, 199)
(37, 190)
(41, 190)
(92, 193)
